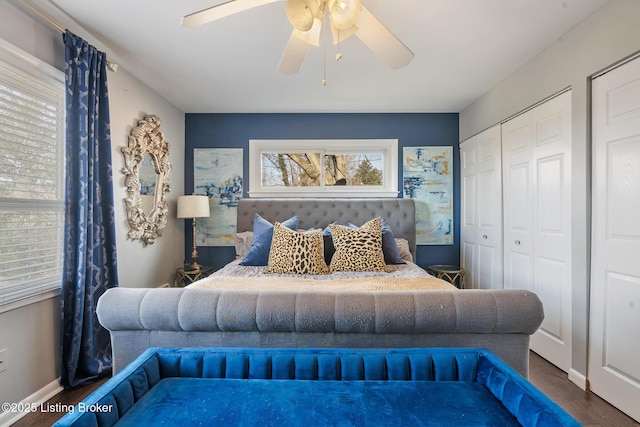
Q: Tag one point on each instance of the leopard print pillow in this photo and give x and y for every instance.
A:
(358, 249)
(296, 252)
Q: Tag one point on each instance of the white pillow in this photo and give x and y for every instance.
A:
(242, 242)
(403, 249)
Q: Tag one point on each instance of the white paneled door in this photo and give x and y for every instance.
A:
(536, 156)
(614, 339)
(481, 237)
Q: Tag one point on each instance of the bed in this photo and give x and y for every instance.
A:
(306, 235)
(385, 309)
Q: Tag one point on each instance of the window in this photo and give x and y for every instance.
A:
(31, 176)
(323, 168)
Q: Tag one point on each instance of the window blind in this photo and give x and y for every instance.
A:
(31, 175)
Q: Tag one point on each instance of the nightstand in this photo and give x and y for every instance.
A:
(185, 276)
(451, 273)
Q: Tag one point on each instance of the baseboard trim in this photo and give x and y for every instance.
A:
(578, 379)
(37, 398)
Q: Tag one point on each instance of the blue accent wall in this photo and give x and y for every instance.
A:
(235, 131)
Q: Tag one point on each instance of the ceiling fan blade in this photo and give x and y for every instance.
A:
(293, 55)
(221, 11)
(377, 37)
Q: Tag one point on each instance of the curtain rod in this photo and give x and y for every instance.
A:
(45, 18)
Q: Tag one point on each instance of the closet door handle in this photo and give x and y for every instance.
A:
(484, 236)
(517, 242)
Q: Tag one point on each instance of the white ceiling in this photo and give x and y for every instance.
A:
(462, 49)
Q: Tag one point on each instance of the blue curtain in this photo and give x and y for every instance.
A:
(89, 245)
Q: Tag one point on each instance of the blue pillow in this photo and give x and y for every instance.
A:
(389, 247)
(258, 253)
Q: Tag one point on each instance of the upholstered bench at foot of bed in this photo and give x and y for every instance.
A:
(500, 320)
(222, 386)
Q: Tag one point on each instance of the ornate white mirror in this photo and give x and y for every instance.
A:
(146, 169)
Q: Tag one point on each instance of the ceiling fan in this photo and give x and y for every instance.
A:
(344, 17)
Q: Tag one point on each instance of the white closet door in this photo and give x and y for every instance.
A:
(552, 228)
(537, 218)
(481, 246)
(517, 155)
(469, 220)
(614, 359)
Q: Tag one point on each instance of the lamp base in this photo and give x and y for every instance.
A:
(194, 253)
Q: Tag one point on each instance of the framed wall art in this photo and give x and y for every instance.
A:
(428, 179)
(218, 174)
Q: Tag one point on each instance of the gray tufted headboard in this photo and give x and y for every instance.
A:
(318, 213)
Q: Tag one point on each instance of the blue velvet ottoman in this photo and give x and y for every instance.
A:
(296, 387)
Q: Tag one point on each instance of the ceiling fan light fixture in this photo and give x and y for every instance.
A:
(301, 13)
(343, 17)
(344, 13)
(312, 36)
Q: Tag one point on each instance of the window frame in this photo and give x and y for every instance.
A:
(20, 293)
(387, 147)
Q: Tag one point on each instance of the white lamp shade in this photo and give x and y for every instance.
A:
(301, 13)
(193, 206)
(344, 13)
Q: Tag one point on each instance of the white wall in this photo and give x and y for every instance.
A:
(130, 101)
(605, 38)
(31, 333)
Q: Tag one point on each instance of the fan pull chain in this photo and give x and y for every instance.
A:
(324, 42)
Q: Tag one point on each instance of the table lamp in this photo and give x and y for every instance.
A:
(193, 207)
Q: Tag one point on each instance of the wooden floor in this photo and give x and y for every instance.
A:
(66, 397)
(586, 407)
